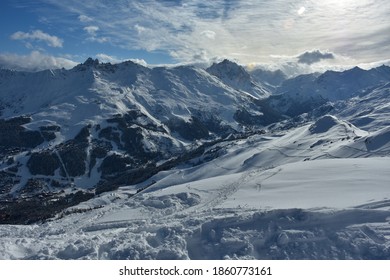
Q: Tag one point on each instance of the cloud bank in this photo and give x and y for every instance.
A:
(35, 61)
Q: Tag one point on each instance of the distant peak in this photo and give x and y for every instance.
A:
(227, 62)
(228, 67)
(356, 68)
(91, 62)
(383, 68)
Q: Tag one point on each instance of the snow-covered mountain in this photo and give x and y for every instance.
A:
(237, 77)
(307, 92)
(188, 163)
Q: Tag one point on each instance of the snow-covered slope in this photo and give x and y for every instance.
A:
(370, 110)
(326, 209)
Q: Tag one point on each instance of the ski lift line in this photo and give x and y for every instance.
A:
(63, 166)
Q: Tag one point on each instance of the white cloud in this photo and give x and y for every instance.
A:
(102, 57)
(84, 18)
(91, 30)
(35, 61)
(209, 34)
(138, 61)
(140, 29)
(107, 58)
(93, 37)
(38, 35)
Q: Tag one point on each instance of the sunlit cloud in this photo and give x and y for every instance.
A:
(35, 61)
(38, 35)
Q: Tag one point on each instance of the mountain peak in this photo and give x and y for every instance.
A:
(226, 64)
(91, 62)
(228, 70)
(356, 69)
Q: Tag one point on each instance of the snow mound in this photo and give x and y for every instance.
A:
(324, 124)
(176, 201)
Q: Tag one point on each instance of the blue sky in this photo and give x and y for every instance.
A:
(306, 34)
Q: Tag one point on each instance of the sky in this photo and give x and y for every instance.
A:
(308, 35)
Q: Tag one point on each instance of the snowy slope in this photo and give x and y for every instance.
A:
(370, 110)
(326, 209)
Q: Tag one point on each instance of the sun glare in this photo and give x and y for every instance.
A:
(301, 11)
